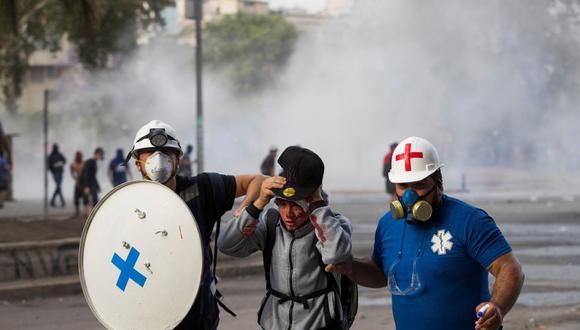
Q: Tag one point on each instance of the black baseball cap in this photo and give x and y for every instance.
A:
(303, 170)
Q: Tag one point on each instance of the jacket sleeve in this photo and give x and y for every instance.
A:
(233, 242)
(333, 231)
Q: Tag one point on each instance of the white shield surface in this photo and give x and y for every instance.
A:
(140, 258)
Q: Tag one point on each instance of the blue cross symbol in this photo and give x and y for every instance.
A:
(128, 270)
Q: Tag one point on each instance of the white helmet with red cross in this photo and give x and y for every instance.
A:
(413, 160)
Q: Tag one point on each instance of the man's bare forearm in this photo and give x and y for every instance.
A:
(507, 287)
(366, 273)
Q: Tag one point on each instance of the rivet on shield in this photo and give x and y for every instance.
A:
(162, 232)
(126, 245)
(148, 266)
(140, 214)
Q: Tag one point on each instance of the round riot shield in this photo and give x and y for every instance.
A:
(140, 258)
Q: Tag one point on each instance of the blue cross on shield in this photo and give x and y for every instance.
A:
(128, 271)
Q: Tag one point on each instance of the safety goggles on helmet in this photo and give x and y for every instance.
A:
(153, 136)
(157, 137)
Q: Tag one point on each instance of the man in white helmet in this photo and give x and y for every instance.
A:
(208, 195)
(434, 252)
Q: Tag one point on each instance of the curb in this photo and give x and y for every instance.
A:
(70, 284)
(30, 245)
(28, 289)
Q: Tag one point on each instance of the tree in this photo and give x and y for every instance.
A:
(249, 50)
(98, 28)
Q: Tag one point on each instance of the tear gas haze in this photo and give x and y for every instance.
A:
(493, 85)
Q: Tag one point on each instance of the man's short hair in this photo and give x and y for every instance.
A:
(438, 178)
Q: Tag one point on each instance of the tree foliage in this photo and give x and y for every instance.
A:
(249, 50)
(98, 29)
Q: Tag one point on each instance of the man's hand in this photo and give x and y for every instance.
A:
(87, 191)
(266, 193)
(264, 198)
(343, 268)
(491, 316)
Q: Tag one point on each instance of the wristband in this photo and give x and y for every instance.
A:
(253, 210)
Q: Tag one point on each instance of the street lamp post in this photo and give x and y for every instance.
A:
(194, 10)
(45, 131)
(198, 83)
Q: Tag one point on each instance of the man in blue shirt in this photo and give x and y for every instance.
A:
(118, 170)
(434, 252)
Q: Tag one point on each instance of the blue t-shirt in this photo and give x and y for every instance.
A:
(452, 252)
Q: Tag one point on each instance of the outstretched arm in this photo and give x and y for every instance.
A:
(246, 233)
(363, 271)
(248, 185)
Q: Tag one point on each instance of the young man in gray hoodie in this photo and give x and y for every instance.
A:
(298, 238)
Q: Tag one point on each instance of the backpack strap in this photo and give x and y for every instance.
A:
(271, 218)
(218, 189)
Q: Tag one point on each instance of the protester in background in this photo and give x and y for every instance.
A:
(389, 186)
(185, 165)
(56, 163)
(157, 151)
(89, 182)
(434, 252)
(118, 170)
(76, 168)
(5, 146)
(268, 164)
(3, 178)
(297, 239)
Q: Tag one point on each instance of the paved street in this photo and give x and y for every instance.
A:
(545, 234)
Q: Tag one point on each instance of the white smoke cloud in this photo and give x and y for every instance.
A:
(486, 82)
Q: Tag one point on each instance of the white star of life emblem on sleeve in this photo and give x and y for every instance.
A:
(441, 242)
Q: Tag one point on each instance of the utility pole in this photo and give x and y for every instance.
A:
(194, 10)
(46, 94)
(198, 82)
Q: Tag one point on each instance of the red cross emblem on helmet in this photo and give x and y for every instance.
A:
(413, 160)
(407, 156)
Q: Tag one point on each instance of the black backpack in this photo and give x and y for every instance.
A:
(348, 288)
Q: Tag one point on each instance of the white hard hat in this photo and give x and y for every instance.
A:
(155, 135)
(413, 160)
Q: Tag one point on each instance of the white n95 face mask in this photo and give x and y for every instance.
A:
(159, 167)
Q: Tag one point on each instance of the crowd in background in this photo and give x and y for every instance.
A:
(84, 173)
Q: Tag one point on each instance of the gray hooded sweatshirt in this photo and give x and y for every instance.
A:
(295, 268)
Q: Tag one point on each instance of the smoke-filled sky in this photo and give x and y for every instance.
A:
(492, 84)
(309, 5)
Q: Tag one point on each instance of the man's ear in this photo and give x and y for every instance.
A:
(138, 164)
